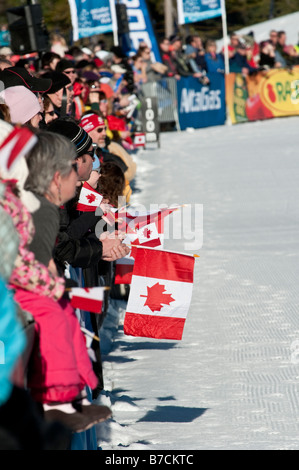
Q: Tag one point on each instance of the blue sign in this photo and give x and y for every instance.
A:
(141, 29)
(90, 17)
(201, 105)
(191, 11)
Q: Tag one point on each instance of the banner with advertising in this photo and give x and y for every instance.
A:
(200, 105)
(140, 29)
(191, 11)
(90, 17)
(264, 95)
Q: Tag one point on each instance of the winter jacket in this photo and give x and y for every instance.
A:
(60, 367)
(12, 341)
(77, 243)
(28, 273)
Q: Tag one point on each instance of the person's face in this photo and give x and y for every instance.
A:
(36, 120)
(146, 54)
(138, 63)
(69, 183)
(165, 45)
(234, 41)
(282, 39)
(50, 114)
(198, 43)
(56, 98)
(104, 106)
(273, 37)
(71, 73)
(98, 136)
(84, 163)
(54, 63)
(177, 45)
(69, 95)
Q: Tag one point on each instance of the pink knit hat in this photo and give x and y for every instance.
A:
(22, 103)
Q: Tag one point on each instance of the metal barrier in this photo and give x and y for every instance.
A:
(165, 90)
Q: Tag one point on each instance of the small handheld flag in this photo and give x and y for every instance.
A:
(89, 299)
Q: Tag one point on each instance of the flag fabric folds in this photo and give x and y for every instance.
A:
(89, 199)
(142, 229)
(18, 142)
(89, 299)
(160, 294)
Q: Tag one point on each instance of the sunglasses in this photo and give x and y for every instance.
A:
(75, 167)
(91, 154)
(70, 71)
(51, 113)
(99, 131)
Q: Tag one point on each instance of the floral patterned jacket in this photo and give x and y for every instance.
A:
(28, 273)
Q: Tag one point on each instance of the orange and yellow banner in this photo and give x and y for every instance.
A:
(264, 95)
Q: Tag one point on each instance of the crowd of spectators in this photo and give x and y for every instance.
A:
(68, 119)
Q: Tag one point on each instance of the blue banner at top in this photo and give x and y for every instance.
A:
(90, 17)
(141, 29)
(191, 11)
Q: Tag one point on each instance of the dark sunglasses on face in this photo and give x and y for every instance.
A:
(75, 167)
(100, 130)
(91, 154)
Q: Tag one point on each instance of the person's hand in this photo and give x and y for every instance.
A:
(94, 97)
(113, 248)
(93, 179)
(52, 267)
(108, 214)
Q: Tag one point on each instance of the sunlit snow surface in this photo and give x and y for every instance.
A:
(233, 380)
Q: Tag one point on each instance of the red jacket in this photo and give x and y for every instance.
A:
(60, 366)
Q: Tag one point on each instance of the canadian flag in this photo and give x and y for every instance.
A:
(124, 270)
(89, 299)
(139, 139)
(18, 142)
(89, 199)
(160, 294)
(143, 229)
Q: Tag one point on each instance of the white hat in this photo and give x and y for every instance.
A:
(118, 69)
(104, 55)
(86, 50)
(6, 51)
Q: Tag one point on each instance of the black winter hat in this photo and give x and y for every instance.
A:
(72, 131)
(19, 76)
(59, 80)
(64, 64)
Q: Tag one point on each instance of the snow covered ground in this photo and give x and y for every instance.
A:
(233, 381)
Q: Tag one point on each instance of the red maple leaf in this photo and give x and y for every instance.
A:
(147, 233)
(156, 297)
(91, 198)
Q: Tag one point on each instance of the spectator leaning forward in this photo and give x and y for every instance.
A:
(60, 93)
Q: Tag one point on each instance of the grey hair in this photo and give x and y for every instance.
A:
(53, 152)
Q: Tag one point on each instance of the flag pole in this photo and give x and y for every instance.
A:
(225, 37)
